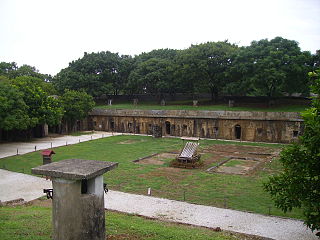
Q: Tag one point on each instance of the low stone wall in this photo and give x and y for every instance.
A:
(275, 116)
(278, 127)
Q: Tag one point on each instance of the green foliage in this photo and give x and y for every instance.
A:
(211, 61)
(298, 186)
(96, 73)
(154, 76)
(41, 108)
(265, 68)
(7, 68)
(76, 105)
(270, 68)
(11, 70)
(13, 109)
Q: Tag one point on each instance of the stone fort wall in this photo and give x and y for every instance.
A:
(277, 127)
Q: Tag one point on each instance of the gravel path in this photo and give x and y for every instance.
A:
(206, 216)
(17, 185)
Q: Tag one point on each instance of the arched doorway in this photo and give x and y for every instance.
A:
(168, 128)
(237, 131)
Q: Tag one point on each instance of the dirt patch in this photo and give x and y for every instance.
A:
(130, 141)
(238, 166)
(41, 202)
(236, 159)
(158, 159)
(229, 159)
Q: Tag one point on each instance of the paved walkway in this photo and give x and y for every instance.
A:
(12, 148)
(17, 185)
(206, 216)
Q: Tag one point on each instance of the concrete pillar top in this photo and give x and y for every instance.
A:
(75, 169)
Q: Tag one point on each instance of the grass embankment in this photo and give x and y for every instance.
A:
(240, 192)
(220, 107)
(34, 223)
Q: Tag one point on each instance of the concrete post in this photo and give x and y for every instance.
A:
(195, 103)
(231, 103)
(78, 198)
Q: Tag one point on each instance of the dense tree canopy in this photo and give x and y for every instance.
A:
(298, 186)
(207, 64)
(24, 104)
(41, 108)
(271, 68)
(95, 73)
(13, 109)
(25, 100)
(153, 76)
(265, 68)
(11, 70)
(76, 105)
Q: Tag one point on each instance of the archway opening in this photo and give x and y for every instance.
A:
(168, 128)
(237, 131)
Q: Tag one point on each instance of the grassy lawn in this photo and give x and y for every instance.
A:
(174, 106)
(242, 192)
(232, 163)
(34, 223)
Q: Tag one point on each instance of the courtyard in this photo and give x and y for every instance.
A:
(144, 162)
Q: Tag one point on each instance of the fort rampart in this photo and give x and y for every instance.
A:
(277, 127)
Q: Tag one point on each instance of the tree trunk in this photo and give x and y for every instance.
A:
(214, 95)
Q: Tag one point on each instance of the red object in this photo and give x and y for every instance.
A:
(47, 152)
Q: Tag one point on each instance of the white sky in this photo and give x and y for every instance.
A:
(50, 34)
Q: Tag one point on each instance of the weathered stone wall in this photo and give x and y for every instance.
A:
(76, 215)
(281, 127)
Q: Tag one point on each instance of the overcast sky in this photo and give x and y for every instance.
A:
(50, 34)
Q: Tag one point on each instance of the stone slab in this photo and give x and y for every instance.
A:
(75, 169)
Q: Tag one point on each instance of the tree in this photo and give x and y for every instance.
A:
(13, 109)
(272, 68)
(7, 68)
(204, 66)
(153, 76)
(41, 108)
(316, 59)
(298, 186)
(187, 73)
(152, 73)
(77, 105)
(95, 73)
(11, 70)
